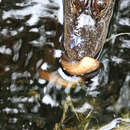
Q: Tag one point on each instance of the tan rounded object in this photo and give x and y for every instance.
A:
(56, 80)
(86, 65)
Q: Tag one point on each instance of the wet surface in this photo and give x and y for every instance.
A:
(30, 38)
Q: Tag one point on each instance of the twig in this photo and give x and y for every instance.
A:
(116, 35)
